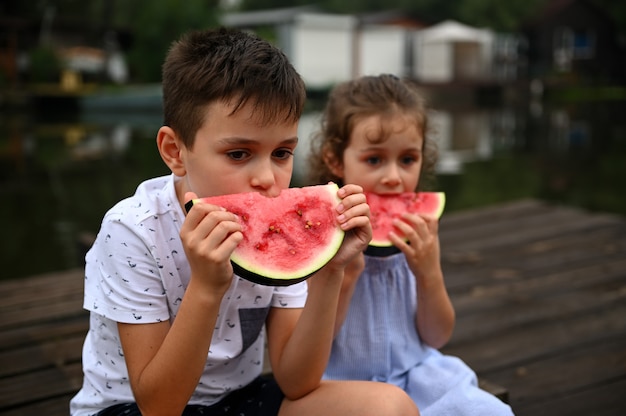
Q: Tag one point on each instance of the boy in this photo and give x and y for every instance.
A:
(172, 331)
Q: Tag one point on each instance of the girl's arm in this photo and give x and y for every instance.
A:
(435, 314)
(300, 340)
(165, 362)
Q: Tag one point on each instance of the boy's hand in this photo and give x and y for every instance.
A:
(209, 236)
(353, 217)
(422, 249)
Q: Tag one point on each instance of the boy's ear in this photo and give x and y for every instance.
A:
(171, 149)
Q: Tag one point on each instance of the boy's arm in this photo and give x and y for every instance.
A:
(351, 275)
(300, 340)
(165, 361)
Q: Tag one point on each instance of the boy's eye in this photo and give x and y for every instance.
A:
(237, 154)
(283, 153)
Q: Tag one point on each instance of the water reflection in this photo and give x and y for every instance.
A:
(59, 174)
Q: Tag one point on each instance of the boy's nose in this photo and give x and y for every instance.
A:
(263, 178)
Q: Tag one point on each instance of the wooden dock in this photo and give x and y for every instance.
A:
(539, 290)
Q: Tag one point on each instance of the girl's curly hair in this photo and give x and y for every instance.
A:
(348, 102)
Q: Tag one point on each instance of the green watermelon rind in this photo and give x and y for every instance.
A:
(384, 247)
(249, 270)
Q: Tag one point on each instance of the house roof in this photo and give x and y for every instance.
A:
(453, 31)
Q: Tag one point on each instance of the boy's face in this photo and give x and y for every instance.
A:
(386, 166)
(235, 153)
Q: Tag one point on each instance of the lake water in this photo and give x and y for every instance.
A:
(60, 171)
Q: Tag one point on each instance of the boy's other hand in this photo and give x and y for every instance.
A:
(209, 236)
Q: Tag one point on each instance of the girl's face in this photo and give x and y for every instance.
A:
(384, 165)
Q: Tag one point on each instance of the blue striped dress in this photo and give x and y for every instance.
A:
(378, 341)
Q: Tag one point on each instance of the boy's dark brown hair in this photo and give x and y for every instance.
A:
(351, 101)
(206, 66)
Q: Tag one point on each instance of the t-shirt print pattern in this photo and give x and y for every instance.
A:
(137, 272)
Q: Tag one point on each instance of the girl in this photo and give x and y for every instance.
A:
(394, 312)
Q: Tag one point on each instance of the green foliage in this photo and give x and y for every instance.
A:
(495, 14)
(156, 24)
(45, 66)
(500, 179)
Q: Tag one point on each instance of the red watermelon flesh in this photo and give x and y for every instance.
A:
(385, 209)
(286, 238)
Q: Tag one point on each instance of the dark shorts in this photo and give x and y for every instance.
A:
(262, 397)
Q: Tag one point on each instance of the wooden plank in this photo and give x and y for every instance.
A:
(54, 406)
(510, 264)
(58, 352)
(529, 288)
(599, 240)
(540, 381)
(26, 335)
(42, 289)
(516, 345)
(492, 234)
(606, 399)
(530, 311)
(39, 385)
(17, 287)
(60, 309)
(505, 211)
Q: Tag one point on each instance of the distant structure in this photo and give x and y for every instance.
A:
(330, 48)
(574, 40)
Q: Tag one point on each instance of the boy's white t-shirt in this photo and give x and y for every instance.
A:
(137, 272)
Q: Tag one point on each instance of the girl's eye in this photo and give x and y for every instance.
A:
(237, 155)
(372, 160)
(283, 154)
(408, 160)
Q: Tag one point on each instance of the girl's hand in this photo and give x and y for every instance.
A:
(353, 216)
(422, 249)
(209, 236)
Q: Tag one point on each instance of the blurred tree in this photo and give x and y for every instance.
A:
(617, 10)
(45, 66)
(496, 14)
(155, 24)
(150, 25)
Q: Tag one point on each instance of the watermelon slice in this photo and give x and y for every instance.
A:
(385, 208)
(287, 238)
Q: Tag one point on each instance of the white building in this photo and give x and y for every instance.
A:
(329, 48)
(452, 51)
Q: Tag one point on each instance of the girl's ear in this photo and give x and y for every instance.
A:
(334, 165)
(171, 149)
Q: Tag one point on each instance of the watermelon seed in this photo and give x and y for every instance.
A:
(308, 224)
(299, 212)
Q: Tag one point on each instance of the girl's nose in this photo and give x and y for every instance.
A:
(391, 176)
